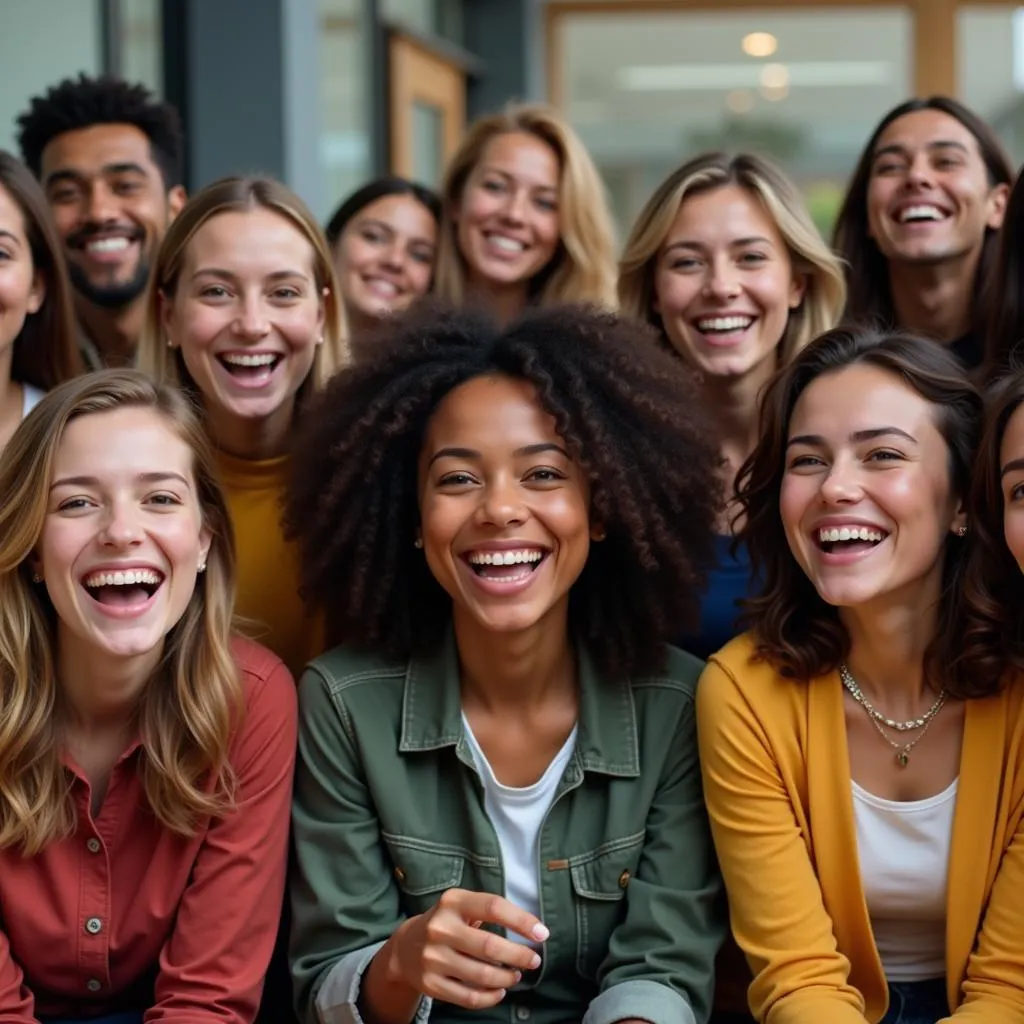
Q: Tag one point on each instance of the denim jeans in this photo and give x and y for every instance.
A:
(917, 1002)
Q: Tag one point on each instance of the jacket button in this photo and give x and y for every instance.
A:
(522, 1013)
(400, 874)
(94, 984)
(93, 925)
(92, 844)
(623, 879)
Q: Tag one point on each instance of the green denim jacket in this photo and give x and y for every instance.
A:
(389, 813)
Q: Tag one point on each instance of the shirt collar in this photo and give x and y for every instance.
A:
(432, 712)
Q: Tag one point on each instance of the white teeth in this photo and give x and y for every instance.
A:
(506, 244)
(841, 533)
(925, 211)
(249, 359)
(108, 245)
(505, 557)
(387, 288)
(724, 323)
(131, 578)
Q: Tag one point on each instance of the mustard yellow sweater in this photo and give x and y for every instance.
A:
(268, 567)
(777, 783)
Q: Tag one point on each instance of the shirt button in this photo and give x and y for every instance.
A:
(522, 1013)
(623, 879)
(93, 925)
(92, 844)
(94, 984)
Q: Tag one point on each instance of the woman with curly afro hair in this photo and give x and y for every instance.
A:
(499, 807)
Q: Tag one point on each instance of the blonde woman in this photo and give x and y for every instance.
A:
(243, 312)
(726, 263)
(146, 757)
(525, 220)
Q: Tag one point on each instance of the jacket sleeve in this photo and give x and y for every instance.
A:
(993, 988)
(777, 910)
(660, 963)
(16, 1002)
(345, 901)
(212, 967)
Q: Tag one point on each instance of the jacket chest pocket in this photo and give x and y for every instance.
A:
(423, 871)
(600, 882)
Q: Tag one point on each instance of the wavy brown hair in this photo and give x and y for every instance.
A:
(46, 349)
(187, 713)
(233, 195)
(1004, 335)
(794, 629)
(583, 268)
(629, 413)
(867, 276)
(991, 623)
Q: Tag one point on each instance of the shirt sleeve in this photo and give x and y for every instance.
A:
(993, 988)
(660, 963)
(213, 965)
(17, 1005)
(345, 902)
(778, 912)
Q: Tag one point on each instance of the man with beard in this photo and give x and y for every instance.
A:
(110, 160)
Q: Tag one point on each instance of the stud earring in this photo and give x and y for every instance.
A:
(418, 543)
(961, 531)
(202, 566)
(598, 535)
(36, 578)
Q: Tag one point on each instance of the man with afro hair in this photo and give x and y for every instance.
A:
(109, 157)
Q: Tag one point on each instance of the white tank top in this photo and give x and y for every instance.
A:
(517, 815)
(903, 851)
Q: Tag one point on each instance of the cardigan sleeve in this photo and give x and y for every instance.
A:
(776, 906)
(993, 987)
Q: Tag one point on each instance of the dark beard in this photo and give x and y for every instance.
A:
(110, 296)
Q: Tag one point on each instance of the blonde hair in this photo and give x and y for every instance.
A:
(583, 269)
(187, 713)
(232, 195)
(825, 293)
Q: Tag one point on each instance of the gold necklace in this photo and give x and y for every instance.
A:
(878, 720)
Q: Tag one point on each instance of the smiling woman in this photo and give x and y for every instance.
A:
(848, 755)
(504, 528)
(243, 311)
(146, 756)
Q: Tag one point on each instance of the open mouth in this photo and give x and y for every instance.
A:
(849, 539)
(382, 287)
(724, 325)
(123, 589)
(251, 368)
(503, 244)
(921, 213)
(506, 566)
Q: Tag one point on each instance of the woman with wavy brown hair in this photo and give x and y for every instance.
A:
(146, 756)
(864, 790)
(525, 219)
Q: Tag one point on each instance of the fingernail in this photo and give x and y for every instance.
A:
(519, 976)
(540, 933)
(535, 962)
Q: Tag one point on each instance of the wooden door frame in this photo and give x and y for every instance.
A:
(933, 24)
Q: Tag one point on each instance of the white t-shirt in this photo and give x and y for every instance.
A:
(517, 814)
(30, 397)
(903, 850)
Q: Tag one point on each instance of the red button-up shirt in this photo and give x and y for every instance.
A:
(126, 915)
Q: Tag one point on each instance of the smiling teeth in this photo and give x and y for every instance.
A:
(240, 359)
(131, 578)
(830, 536)
(505, 557)
(108, 245)
(927, 212)
(724, 323)
(506, 244)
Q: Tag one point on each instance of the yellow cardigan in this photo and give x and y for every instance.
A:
(777, 784)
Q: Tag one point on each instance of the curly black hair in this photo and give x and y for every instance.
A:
(630, 413)
(82, 102)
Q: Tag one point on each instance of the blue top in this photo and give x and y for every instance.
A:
(730, 580)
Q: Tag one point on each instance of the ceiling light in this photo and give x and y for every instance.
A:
(774, 93)
(759, 44)
(740, 101)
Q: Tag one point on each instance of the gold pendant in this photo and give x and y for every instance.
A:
(902, 758)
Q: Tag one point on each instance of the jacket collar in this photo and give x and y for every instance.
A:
(432, 712)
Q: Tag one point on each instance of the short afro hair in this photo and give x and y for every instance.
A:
(82, 102)
(630, 414)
